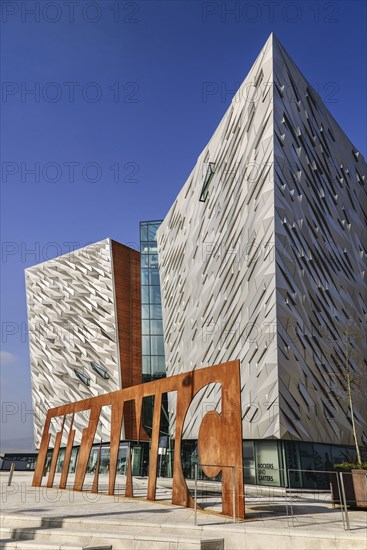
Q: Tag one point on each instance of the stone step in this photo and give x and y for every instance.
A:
(97, 524)
(122, 525)
(37, 545)
(20, 520)
(123, 540)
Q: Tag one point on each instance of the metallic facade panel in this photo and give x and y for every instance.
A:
(320, 224)
(216, 259)
(72, 323)
(264, 260)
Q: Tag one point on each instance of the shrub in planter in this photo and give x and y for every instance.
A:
(349, 466)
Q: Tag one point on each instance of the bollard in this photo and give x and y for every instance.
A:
(195, 494)
(345, 501)
(12, 468)
(340, 499)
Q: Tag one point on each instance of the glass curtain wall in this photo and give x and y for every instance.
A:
(153, 365)
(153, 361)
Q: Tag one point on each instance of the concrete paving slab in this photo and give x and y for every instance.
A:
(269, 522)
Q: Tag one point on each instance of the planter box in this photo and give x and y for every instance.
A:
(355, 488)
(360, 488)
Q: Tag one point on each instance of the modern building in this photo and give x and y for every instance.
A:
(263, 258)
(84, 317)
(23, 461)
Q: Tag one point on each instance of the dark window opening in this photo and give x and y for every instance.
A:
(82, 377)
(100, 370)
(208, 177)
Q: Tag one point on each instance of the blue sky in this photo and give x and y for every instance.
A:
(119, 116)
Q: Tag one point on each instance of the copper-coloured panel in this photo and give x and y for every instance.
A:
(69, 448)
(55, 454)
(153, 456)
(126, 266)
(96, 473)
(116, 425)
(86, 444)
(129, 489)
(42, 453)
(220, 440)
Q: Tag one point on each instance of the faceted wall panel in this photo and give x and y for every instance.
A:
(262, 258)
(216, 254)
(320, 224)
(80, 330)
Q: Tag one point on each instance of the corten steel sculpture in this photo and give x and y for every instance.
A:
(220, 437)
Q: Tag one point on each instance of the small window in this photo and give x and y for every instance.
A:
(82, 377)
(208, 177)
(356, 154)
(259, 79)
(100, 370)
(250, 117)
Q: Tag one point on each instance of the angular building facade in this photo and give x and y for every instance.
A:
(84, 319)
(263, 259)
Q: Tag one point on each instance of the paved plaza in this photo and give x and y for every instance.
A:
(272, 520)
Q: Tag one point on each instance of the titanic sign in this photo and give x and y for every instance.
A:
(220, 435)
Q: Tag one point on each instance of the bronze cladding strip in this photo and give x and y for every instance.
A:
(117, 411)
(96, 473)
(69, 448)
(55, 455)
(129, 489)
(86, 443)
(153, 456)
(42, 453)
